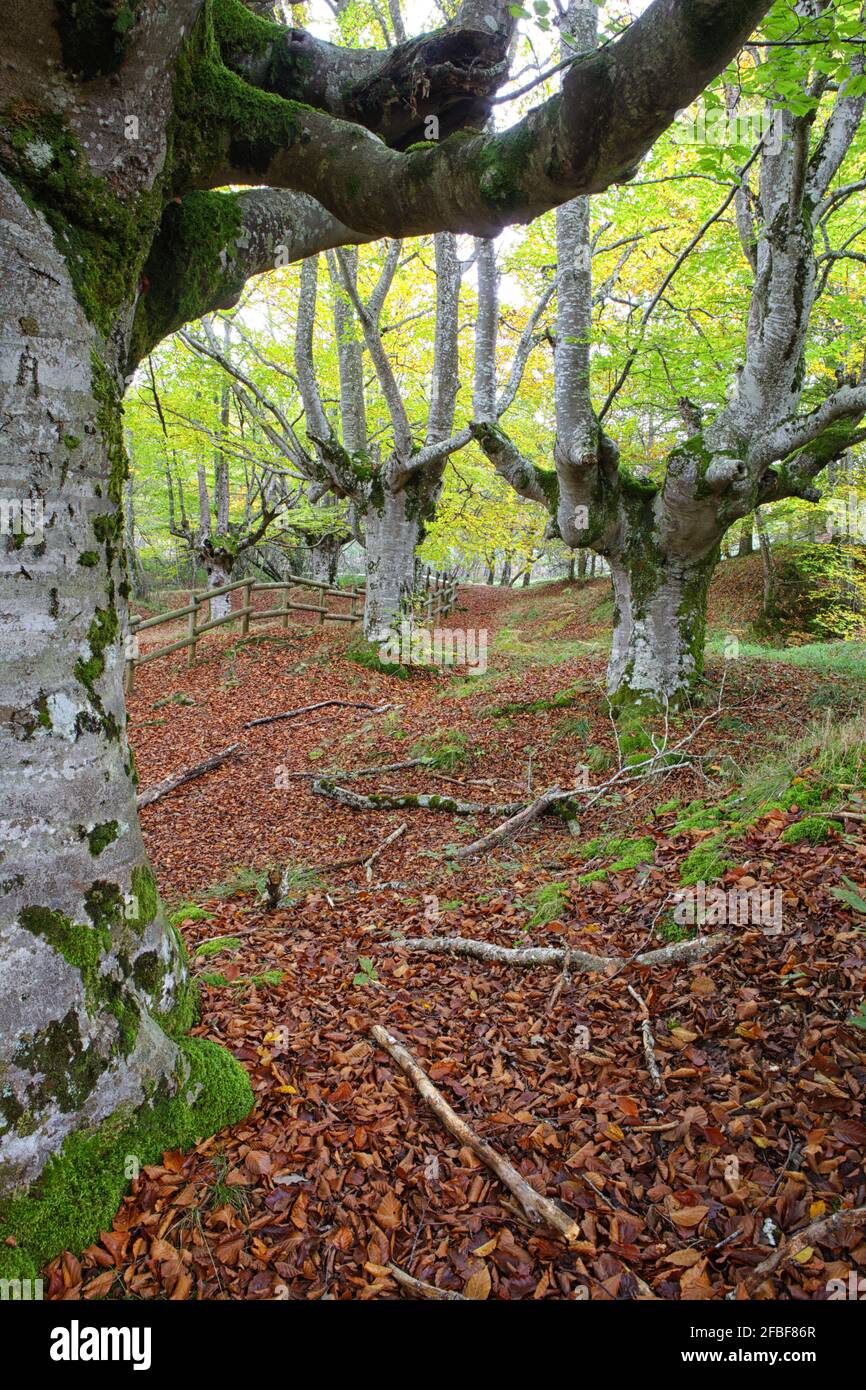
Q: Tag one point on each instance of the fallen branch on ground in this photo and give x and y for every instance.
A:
(422, 801)
(848, 1219)
(659, 762)
(426, 1290)
(519, 819)
(538, 1208)
(308, 709)
(581, 961)
(646, 1033)
(177, 779)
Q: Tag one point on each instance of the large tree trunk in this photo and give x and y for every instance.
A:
(94, 986)
(392, 531)
(324, 558)
(218, 572)
(659, 627)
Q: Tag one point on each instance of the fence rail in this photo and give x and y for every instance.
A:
(438, 596)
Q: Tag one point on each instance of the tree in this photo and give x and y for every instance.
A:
(120, 127)
(662, 535)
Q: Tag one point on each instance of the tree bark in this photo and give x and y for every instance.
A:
(660, 608)
(95, 984)
(392, 531)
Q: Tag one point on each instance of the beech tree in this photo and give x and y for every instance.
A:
(119, 128)
(662, 535)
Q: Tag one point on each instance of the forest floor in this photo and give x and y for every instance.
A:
(756, 1129)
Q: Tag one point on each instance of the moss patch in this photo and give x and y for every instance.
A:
(80, 1188)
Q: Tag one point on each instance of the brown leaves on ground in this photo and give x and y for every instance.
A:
(341, 1169)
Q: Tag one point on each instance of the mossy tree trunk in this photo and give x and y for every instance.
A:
(392, 531)
(660, 613)
(96, 987)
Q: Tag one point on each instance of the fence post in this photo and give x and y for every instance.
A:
(248, 603)
(191, 629)
(285, 619)
(323, 600)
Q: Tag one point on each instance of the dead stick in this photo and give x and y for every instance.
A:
(554, 955)
(426, 1290)
(845, 1220)
(538, 1208)
(648, 1041)
(177, 779)
(308, 709)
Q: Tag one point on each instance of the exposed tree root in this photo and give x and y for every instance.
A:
(539, 1209)
(580, 961)
(168, 784)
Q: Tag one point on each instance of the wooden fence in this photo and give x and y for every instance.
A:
(437, 596)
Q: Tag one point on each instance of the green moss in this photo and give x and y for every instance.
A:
(193, 261)
(503, 166)
(88, 559)
(80, 1189)
(706, 861)
(101, 836)
(815, 829)
(103, 240)
(564, 699)
(550, 901)
(217, 944)
(189, 912)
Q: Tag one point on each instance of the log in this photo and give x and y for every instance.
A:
(539, 1209)
(177, 779)
(580, 961)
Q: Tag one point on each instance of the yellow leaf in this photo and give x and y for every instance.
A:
(287, 1090)
(478, 1284)
(804, 1256)
(488, 1247)
(817, 1209)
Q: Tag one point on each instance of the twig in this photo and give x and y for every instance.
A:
(648, 1041)
(426, 1290)
(365, 859)
(538, 1208)
(177, 779)
(320, 704)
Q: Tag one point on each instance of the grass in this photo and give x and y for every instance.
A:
(843, 657)
(444, 749)
(549, 904)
